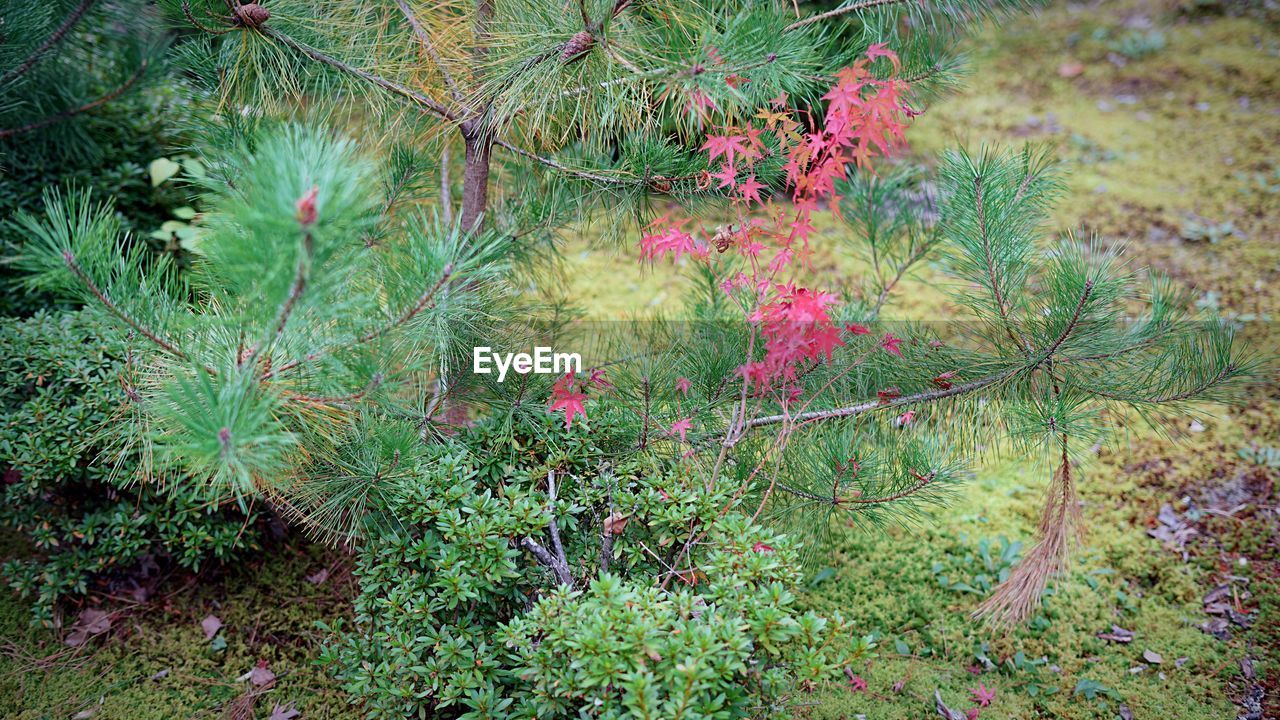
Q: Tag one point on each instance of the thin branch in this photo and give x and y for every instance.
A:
(1176, 397)
(855, 7)
(553, 527)
(191, 18)
(418, 307)
(870, 405)
(408, 315)
(1075, 320)
(111, 307)
(561, 572)
(58, 36)
(65, 114)
(299, 283)
(389, 85)
(446, 189)
(584, 174)
(989, 258)
(427, 45)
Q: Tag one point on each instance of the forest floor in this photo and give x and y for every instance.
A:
(1167, 116)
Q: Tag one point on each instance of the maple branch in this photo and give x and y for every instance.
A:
(56, 37)
(855, 7)
(431, 50)
(65, 114)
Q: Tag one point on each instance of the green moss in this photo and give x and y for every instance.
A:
(268, 611)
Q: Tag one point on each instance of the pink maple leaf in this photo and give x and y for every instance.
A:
(680, 427)
(730, 146)
(750, 189)
(683, 385)
(761, 548)
(727, 176)
(983, 695)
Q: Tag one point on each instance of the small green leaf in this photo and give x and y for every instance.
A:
(194, 167)
(184, 213)
(162, 169)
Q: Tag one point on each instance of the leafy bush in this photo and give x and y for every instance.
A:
(91, 520)
(451, 621)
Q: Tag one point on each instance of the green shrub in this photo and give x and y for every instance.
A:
(451, 621)
(91, 518)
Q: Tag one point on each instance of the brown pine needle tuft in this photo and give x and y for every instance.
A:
(1015, 599)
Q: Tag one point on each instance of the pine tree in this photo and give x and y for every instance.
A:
(602, 99)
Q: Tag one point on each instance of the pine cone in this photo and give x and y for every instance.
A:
(577, 45)
(252, 15)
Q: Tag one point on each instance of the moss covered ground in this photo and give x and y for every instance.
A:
(1168, 117)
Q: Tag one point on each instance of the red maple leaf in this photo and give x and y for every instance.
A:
(856, 329)
(890, 344)
(761, 548)
(727, 176)
(565, 397)
(944, 380)
(888, 394)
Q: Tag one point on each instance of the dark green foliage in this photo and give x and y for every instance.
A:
(82, 108)
(453, 621)
(91, 521)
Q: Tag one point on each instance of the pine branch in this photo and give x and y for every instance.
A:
(57, 37)
(989, 259)
(299, 283)
(1075, 320)
(855, 7)
(1223, 374)
(418, 307)
(918, 398)
(389, 85)
(114, 309)
(65, 114)
(431, 50)
(423, 302)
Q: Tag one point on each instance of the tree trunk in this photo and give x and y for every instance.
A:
(475, 177)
